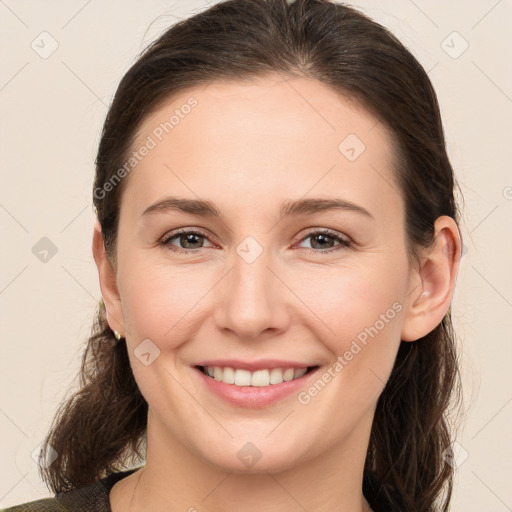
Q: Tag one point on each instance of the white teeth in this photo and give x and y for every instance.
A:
(259, 378)
(242, 377)
(276, 376)
(288, 374)
(229, 376)
(299, 372)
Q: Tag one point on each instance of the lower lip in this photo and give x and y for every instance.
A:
(254, 397)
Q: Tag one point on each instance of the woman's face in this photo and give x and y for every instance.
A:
(256, 284)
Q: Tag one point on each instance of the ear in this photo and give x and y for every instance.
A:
(108, 282)
(433, 283)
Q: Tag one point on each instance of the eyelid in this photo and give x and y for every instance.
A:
(322, 231)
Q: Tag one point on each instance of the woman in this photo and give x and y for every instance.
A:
(277, 247)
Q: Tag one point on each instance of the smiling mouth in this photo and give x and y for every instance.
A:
(259, 378)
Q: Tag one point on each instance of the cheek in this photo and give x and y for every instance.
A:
(358, 317)
(345, 301)
(160, 302)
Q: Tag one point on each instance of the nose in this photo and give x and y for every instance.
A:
(252, 300)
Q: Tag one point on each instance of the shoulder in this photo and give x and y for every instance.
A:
(92, 498)
(44, 505)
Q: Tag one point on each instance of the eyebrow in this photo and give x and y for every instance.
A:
(206, 208)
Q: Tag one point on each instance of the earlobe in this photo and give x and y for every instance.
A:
(108, 281)
(434, 281)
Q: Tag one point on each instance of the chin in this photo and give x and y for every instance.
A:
(252, 458)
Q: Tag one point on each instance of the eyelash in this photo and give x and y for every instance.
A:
(344, 243)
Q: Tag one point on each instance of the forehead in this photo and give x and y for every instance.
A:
(262, 139)
(274, 106)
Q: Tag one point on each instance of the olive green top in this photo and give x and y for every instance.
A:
(92, 498)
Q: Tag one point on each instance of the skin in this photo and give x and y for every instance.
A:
(248, 147)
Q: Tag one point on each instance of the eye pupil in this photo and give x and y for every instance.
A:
(189, 238)
(320, 237)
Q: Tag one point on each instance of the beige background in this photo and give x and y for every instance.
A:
(52, 110)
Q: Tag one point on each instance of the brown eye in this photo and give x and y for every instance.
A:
(324, 240)
(188, 241)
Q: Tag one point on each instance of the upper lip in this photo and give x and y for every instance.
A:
(253, 366)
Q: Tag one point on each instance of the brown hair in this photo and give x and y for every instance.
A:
(103, 425)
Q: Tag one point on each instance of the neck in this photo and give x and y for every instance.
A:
(175, 478)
